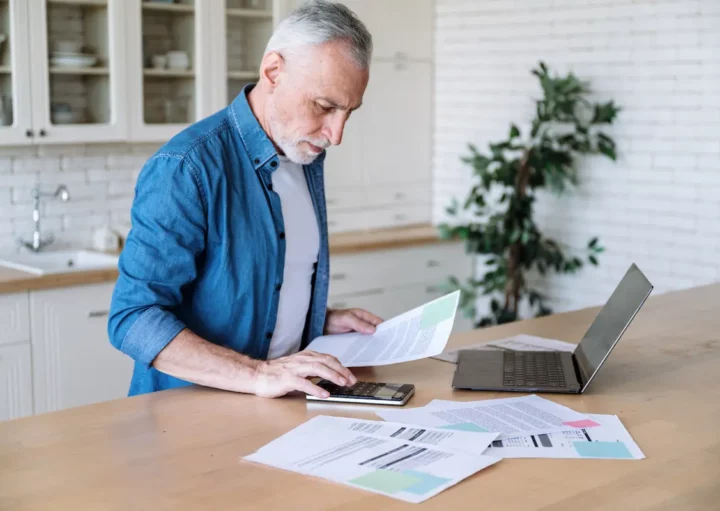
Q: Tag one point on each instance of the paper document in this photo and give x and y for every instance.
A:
(520, 342)
(511, 417)
(609, 440)
(419, 333)
(382, 460)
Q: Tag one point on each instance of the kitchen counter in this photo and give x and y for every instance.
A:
(15, 281)
(181, 449)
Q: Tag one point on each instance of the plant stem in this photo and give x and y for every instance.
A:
(514, 281)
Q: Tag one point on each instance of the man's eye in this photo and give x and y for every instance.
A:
(326, 109)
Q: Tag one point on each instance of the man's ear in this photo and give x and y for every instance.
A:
(273, 64)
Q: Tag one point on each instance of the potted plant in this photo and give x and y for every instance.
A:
(497, 217)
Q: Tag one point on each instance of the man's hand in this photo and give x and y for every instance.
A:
(342, 321)
(274, 378)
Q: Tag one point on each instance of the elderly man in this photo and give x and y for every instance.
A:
(224, 276)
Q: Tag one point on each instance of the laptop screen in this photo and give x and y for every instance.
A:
(611, 322)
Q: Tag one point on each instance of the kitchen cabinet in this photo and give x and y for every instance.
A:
(78, 70)
(73, 361)
(15, 365)
(389, 282)
(15, 97)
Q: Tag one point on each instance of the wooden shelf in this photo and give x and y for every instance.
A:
(170, 73)
(89, 3)
(94, 71)
(249, 13)
(177, 8)
(242, 75)
(5, 70)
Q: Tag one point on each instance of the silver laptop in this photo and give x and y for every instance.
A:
(555, 371)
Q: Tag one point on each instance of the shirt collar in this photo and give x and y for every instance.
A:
(257, 144)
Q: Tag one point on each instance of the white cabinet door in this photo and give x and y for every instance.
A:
(399, 27)
(15, 113)
(78, 68)
(14, 318)
(15, 382)
(163, 100)
(399, 99)
(73, 361)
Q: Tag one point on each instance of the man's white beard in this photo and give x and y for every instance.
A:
(291, 147)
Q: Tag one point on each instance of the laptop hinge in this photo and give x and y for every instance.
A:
(578, 373)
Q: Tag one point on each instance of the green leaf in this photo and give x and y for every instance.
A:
(514, 131)
(593, 242)
(593, 260)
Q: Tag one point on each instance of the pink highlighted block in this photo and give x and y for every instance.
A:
(585, 423)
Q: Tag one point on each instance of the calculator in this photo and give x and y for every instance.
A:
(366, 392)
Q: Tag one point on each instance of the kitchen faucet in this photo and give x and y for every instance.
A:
(38, 242)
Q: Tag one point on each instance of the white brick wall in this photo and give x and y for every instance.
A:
(659, 205)
(100, 179)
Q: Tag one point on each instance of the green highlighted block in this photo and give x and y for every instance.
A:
(426, 483)
(438, 311)
(608, 450)
(466, 426)
(386, 481)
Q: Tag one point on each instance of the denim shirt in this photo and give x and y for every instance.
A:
(207, 246)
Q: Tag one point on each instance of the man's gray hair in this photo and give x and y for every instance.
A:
(320, 21)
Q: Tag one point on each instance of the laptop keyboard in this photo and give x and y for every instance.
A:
(532, 369)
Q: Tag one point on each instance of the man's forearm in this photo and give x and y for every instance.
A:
(192, 358)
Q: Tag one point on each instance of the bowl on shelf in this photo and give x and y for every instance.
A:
(73, 47)
(178, 60)
(72, 60)
(62, 117)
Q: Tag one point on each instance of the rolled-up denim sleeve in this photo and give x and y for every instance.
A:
(159, 259)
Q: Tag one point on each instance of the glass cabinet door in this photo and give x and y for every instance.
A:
(248, 25)
(77, 67)
(15, 113)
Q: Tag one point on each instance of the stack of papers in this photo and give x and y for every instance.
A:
(400, 461)
(520, 342)
(419, 452)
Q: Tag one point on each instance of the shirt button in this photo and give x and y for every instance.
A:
(269, 335)
(278, 287)
(282, 235)
(273, 164)
(270, 187)
(257, 160)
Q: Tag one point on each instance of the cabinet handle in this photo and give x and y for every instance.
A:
(29, 133)
(433, 264)
(431, 290)
(338, 276)
(98, 314)
(42, 133)
(400, 217)
(399, 196)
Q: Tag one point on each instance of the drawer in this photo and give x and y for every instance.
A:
(388, 303)
(399, 194)
(382, 269)
(14, 318)
(341, 221)
(397, 216)
(346, 198)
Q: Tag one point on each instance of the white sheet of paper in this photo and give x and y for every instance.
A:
(610, 440)
(419, 333)
(336, 450)
(520, 342)
(511, 417)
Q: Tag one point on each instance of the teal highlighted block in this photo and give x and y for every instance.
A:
(438, 311)
(387, 481)
(608, 450)
(426, 482)
(466, 426)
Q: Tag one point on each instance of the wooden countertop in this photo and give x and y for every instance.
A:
(181, 449)
(15, 281)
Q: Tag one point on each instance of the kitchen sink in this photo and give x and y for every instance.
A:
(46, 263)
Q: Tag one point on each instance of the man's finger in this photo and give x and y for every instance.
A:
(368, 316)
(352, 320)
(317, 368)
(335, 364)
(309, 387)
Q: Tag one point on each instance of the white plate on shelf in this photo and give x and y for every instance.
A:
(72, 60)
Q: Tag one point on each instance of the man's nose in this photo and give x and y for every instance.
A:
(335, 128)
